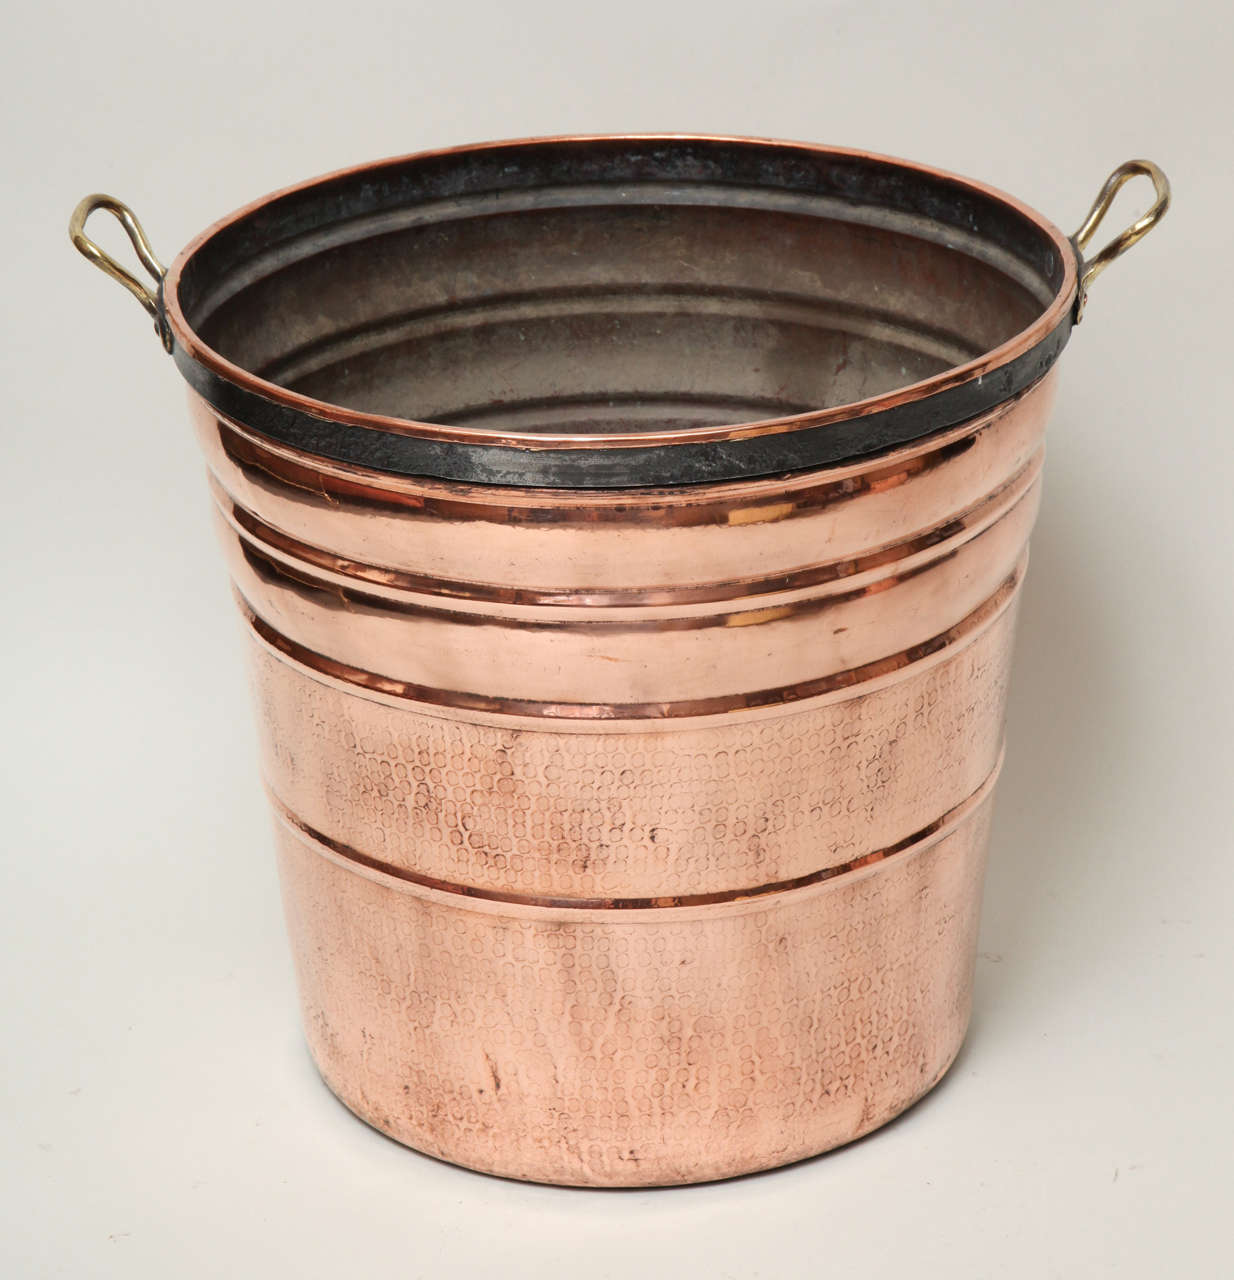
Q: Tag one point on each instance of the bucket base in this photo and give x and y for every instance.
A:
(645, 1173)
(632, 1047)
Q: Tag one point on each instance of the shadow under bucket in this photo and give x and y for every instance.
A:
(629, 533)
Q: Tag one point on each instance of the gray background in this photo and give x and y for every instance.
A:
(161, 1117)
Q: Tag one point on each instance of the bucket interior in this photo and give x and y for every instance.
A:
(617, 286)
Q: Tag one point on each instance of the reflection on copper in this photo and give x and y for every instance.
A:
(293, 550)
(781, 696)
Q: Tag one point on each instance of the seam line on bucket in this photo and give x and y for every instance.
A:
(272, 570)
(931, 832)
(583, 711)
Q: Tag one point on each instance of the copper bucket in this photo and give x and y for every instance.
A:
(629, 533)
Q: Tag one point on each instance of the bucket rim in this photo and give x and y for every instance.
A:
(787, 444)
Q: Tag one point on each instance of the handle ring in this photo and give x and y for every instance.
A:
(105, 262)
(1091, 268)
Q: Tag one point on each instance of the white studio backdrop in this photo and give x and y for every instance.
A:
(163, 1117)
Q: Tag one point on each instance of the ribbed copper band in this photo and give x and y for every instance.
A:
(972, 521)
(932, 831)
(459, 699)
(271, 570)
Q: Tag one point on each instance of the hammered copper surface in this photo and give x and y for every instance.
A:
(721, 808)
(632, 1047)
(633, 838)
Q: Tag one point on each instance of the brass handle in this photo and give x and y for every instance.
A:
(1091, 268)
(105, 262)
